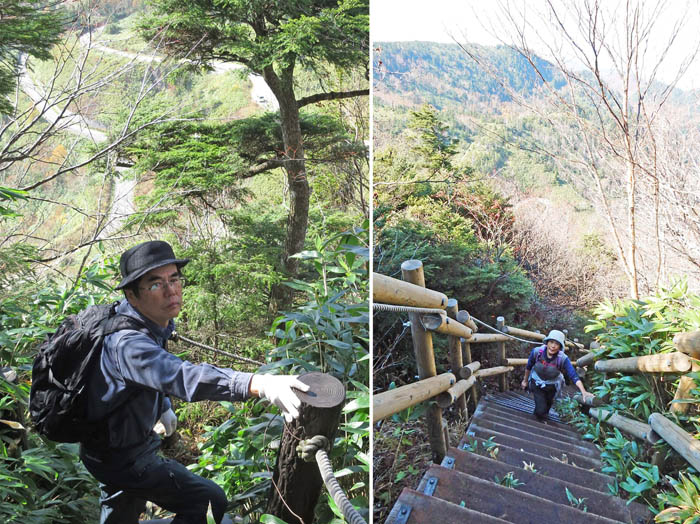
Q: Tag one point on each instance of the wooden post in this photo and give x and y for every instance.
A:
(467, 358)
(658, 459)
(444, 325)
(684, 444)
(500, 324)
(394, 400)
(688, 343)
(463, 317)
(17, 439)
(633, 427)
(585, 360)
(685, 386)
(659, 363)
(455, 348)
(446, 433)
(412, 271)
(468, 370)
(297, 484)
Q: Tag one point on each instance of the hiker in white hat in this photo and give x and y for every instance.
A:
(544, 373)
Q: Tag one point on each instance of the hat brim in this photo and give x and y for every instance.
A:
(555, 340)
(179, 262)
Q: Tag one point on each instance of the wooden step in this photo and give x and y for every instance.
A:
(413, 507)
(526, 416)
(530, 445)
(544, 465)
(551, 488)
(522, 404)
(511, 505)
(533, 426)
(533, 435)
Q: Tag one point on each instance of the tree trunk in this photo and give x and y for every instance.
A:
(297, 221)
(296, 483)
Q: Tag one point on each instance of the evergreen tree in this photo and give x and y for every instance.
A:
(272, 38)
(28, 27)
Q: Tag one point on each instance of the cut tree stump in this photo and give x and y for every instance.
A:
(296, 485)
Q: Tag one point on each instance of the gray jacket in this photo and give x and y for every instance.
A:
(135, 376)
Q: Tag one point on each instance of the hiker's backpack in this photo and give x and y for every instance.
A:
(541, 358)
(66, 359)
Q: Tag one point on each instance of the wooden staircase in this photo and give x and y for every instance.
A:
(504, 444)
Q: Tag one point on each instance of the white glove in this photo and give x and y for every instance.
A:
(277, 389)
(167, 423)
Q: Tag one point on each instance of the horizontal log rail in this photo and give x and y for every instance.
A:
(477, 338)
(468, 370)
(633, 427)
(465, 318)
(447, 398)
(395, 291)
(676, 437)
(590, 401)
(446, 326)
(585, 360)
(688, 343)
(392, 401)
(659, 363)
(490, 372)
(515, 362)
(524, 333)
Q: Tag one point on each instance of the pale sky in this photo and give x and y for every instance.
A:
(468, 20)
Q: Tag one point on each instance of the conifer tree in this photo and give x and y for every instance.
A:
(272, 38)
(29, 27)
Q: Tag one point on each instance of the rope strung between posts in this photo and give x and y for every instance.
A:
(176, 336)
(506, 334)
(318, 447)
(408, 309)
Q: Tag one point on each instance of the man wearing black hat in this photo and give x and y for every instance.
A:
(130, 388)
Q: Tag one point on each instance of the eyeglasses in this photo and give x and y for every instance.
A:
(175, 283)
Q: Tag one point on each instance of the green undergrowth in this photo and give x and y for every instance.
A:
(327, 330)
(653, 474)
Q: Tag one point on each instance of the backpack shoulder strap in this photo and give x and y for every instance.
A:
(117, 322)
(561, 359)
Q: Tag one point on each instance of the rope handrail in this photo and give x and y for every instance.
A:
(177, 336)
(317, 448)
(411, 309)
(505, 334)
(407, 309)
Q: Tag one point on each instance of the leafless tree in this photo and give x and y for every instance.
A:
(53, 138)
(609, 118)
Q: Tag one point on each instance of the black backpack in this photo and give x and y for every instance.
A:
(58, 399)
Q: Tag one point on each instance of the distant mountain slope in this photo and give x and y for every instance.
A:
(443, 74)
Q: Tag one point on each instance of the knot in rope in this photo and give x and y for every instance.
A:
(307, 448)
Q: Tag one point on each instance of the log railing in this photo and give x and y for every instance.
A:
(659, 427)
(432, 312)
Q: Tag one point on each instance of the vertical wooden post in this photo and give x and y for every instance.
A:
(296, 484)
(500, 324)
(412, 271)
(685, 385)
(467, 359)
(456, 357)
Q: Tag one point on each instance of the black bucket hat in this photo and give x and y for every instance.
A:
(140, 259)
